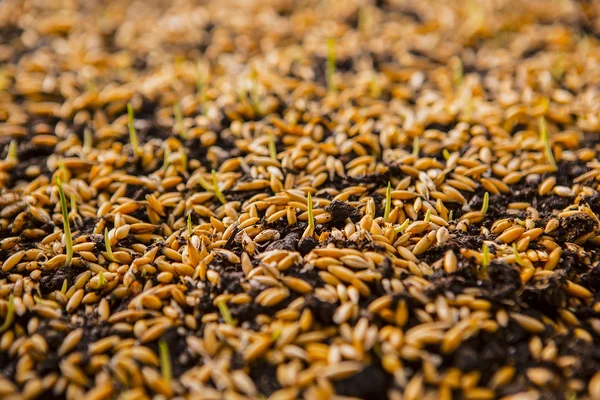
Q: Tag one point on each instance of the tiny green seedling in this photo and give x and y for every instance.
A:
(428, 215)
(311, 220)
(64, 287)
(109, 252)
(450, 215)
(276, 333)
(88, 141)
(216, 188)
(416, 146)
(388, 202)
(254, 95)
(133, 138)
(101, 280)
(517, 255)
(402, 227)
(272, 149)
(225, 313)
(204, 184)
(330, 71)
(486, 258)
(189, 225)
(66, 225)
(546, 141)
(180, 127)
(486, 203)
(12, 151)
(10, 314)
(446, 154)
(165, 360)
(167, 154)
(184, 158)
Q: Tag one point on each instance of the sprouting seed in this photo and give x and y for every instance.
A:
(416, 146)
(311, 221)
(517, 255)
(486, 258)
(225, 313)
(189, 225)
(133, 138)
(64, 287)
(184, 159)
(486, 203)
(109, 252)
(204, 184)
(402, 227)
(388, 202)
(167, 153)
(66, 225)
(165, 360)
(330, 65)
(446, 154)
(272, 149)
(450, 215)
(179, 121)
(87, 141)
(216, 188)
(546, 141)
(10, 314)
(428, 215)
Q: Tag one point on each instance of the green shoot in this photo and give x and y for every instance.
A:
(428, 215)
(546, 141)
(133, 138)
(486, 203)
(184, 159)
(216, 188)
(63, 170)
(189, 225)
(486, 258)
(66, 225)
(179, 121)
(12, 151)
(254, 95)
(225, 313)
(388, 202)
(450, 215)
(276, 333)
(311, 221)
(101, 280)
(330, 71)
(446, 154)
(402, 227)
(204, 184)
(517, 255)
(87, 141)
(109, 252)
(65, 284)
(10, 314)
(165, 360)
(167, 153)
(416, 146)
(272, 149)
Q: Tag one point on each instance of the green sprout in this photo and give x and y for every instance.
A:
(416, 146)
(276, 333)
(165, 360)
(311, 221)
(167, 153)
(330, 64)
(450, 215)
(101, 280)
(517, 255)
(133, 138)
(189, 225)
(446, 154)
(272, 149)
(10, 314)
(254, 95)
(12, 151)
(216, 188)
(66, 225)
(428, 215)
(388, 202)
(486, 203)
(179, 120)
(64, 287)
(184, 159)
(486, 258)
(87, 141)
(204, 184)
(402, 227)
(109, 252)
(546, 141)
(225, 313)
